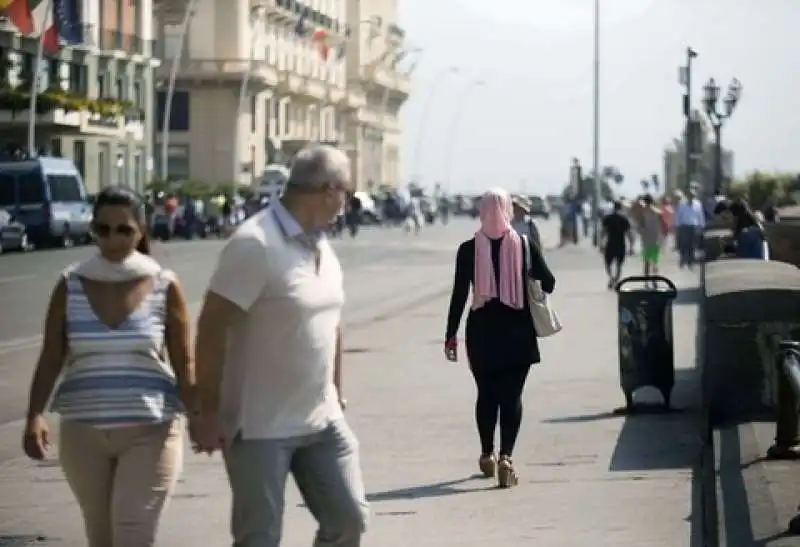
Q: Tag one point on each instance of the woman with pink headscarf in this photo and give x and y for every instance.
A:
(500, 337)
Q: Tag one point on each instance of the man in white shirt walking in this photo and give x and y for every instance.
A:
(689, 221)
(269, 364)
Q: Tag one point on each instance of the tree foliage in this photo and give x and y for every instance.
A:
(610, 176)
(760, 188)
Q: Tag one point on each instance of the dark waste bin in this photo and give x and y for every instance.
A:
(646, 354)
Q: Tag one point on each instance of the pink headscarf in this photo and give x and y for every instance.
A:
(495, 213)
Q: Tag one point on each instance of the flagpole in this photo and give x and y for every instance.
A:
(452, 133)
(596, 125)
(423, 125)
(173, 76)
(34, 91)
(255, 14)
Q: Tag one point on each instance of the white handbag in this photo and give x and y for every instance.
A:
(545, 318)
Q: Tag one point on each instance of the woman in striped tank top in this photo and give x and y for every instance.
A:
(110, 322)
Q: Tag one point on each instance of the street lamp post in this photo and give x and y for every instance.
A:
(690, 135)
(257, 15)
(423, 124)
(452, 132)
(717, 118)
(191, 8)
(596, 126)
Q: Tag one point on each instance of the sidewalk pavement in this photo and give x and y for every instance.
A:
(588, 478)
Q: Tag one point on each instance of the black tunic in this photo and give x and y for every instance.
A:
(496, 335)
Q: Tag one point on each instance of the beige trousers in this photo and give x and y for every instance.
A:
(122, 478)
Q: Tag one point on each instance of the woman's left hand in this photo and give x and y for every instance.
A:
(451, 350)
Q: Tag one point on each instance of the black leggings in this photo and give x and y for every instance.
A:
(499, 394)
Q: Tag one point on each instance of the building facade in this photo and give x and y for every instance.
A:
(377, 45)
(295, 93)
(95, 102)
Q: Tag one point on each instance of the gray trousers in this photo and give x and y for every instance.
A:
(327, 471)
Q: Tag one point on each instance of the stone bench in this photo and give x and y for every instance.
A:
(748, 306)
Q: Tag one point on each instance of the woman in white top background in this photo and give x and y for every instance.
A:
(110, 324)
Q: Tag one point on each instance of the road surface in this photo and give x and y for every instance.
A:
(587, 477)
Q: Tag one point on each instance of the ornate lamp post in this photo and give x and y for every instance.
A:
(717, 117)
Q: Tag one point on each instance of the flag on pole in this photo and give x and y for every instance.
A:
(66, 15)
(20, 14)
(64, 27)
(320, 37)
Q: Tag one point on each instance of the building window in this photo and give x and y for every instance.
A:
(101, 85)
(138, 170)
(55, 147)
(79, 156)
(253, 107)
(172, 41)
(27, 75)
(179, 113)
(77, 78)
(103, 166)
(120, 91)
(138, 97)
(54, 79)
(178, 161)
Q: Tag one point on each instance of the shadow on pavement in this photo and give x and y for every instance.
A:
(665, 440)
(23, 541)
(744, 492)
(583, 418)
(435, 490)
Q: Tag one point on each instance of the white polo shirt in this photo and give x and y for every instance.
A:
(278, 372)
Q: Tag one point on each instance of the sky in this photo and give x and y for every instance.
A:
(534, 112)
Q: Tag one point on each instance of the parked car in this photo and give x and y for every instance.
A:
(539, 207)
(12, 234)
(48, 197)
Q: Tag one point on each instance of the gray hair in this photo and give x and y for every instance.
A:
(317, 165)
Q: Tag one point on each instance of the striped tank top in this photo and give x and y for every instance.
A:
(117, 377)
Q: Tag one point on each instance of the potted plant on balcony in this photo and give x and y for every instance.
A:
(13, 100)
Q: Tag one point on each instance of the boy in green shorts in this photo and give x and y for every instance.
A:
(651, 234)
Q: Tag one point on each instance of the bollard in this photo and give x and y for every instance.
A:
(787, 436)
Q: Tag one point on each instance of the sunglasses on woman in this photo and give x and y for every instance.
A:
(103, 230)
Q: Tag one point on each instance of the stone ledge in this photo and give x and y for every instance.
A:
(756, 498)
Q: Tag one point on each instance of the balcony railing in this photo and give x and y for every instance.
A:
(115, 40)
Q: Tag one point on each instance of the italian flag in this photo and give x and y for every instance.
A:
(34, 17)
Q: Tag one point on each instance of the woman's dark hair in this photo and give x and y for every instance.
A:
(119, 196)
(743, 215)
(721, 207)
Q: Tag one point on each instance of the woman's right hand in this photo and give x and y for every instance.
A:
(451, 350)
(36, 439)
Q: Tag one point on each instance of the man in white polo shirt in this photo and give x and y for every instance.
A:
(268, 363)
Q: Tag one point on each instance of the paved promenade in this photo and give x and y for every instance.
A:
(588, 478)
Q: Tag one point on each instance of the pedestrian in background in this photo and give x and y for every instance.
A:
(522, 221)
(652, 233)
(690, 219)
(748, 233)
(269, 355)
(616, 232)
(120, 399)
(500, 338)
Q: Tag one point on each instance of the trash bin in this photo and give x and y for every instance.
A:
(646, 354)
